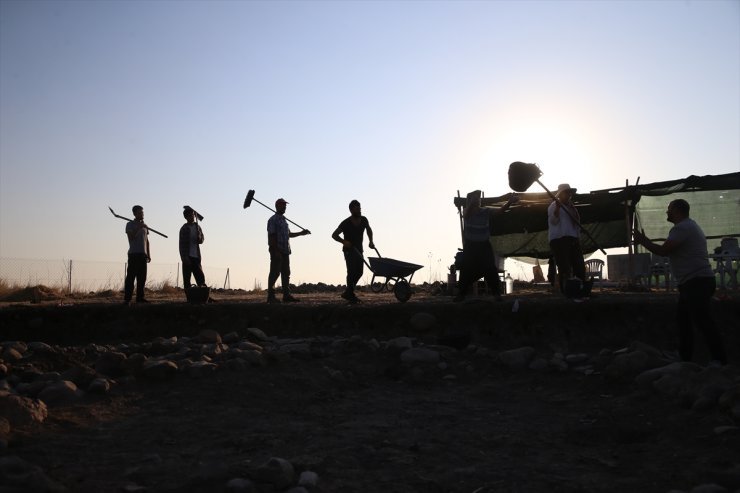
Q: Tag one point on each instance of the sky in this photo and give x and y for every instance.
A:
(398, 104)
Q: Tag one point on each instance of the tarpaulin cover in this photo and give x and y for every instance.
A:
(607, 214)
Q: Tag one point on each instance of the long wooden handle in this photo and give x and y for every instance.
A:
(127, 219)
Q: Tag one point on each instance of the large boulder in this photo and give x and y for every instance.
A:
(61, 392)
(21, 411)
(110, 363)
(158, 370)
(517, 359)
(628, 365)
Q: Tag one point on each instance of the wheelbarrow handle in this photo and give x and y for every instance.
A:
(362, 257)
(376, 251)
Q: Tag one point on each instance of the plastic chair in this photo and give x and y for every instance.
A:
(659, 266)
(595, 269)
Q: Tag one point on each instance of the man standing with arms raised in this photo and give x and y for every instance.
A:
(686, 247)
(278, 239)
(564, 233)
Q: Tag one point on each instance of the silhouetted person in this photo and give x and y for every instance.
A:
(478, 259)
(564, 234)
(191, 237)
(278, 239)
(352, 230)
(138, 256)
(686, 248)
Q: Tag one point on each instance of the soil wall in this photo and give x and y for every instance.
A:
(601, 322)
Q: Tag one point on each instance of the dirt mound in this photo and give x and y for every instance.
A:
(34, 294)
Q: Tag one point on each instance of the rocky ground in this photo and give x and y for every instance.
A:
(254, 411)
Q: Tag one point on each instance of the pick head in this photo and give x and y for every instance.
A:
(248, 200)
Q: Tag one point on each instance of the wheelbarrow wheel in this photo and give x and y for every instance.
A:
(402, 291)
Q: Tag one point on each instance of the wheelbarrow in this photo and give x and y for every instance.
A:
(395, 273)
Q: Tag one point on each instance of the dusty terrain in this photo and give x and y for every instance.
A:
(363, 418)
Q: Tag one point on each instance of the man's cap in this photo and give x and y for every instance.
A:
(280, 201)
(563, 187)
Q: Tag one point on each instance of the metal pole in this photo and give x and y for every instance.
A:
(177, 278)
(69, 277)
(226, 280)
(630, 252)
(459, 212)
(630, 219)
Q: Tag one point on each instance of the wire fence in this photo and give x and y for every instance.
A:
(92, 276)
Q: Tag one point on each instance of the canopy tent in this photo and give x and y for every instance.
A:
(608, 214)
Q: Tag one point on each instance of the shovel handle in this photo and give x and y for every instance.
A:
(273, 210)
(573, 218)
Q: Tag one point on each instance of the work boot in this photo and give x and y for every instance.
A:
(288, 298)
(350, 296)
(271, 297)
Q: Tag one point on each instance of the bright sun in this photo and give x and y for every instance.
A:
(560, 153)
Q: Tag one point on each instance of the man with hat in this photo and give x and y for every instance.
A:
(564, 229)
(278, 239)
(191, 237)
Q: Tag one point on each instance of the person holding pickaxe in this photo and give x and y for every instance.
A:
(139, 255)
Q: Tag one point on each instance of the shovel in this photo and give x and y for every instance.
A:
(127, 219)
(523, 175)
(248, 201)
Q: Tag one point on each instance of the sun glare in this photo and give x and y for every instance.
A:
(558, 151)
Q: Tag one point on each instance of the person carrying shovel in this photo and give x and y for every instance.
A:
(191, 237)
(278, 239)
(353, 229)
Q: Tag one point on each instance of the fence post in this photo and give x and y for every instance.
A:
(227, 279)
(69, 277)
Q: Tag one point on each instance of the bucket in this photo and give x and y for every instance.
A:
(197, 295)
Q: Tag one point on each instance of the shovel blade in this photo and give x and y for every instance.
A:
(523, 175)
